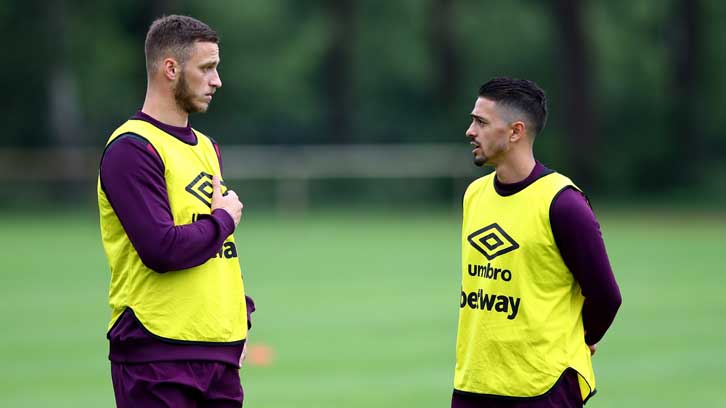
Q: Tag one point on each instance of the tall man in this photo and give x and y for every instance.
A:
(537, 291)
(179, 314)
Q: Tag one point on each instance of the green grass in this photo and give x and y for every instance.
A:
(361, 310)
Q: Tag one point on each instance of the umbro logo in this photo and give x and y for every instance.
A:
(201, 188)
(492, 241)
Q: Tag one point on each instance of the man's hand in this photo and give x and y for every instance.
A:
(243, 356)
(592, 348)
(229, 202)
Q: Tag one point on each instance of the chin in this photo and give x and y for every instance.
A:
(199, 108)
(480, 161)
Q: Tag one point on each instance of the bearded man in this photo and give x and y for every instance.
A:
(537, 289)
(179, 316)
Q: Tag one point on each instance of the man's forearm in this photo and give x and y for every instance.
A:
(132, 176)
(580, 242)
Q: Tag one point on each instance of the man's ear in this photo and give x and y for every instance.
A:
(519, 130)
(171, 68)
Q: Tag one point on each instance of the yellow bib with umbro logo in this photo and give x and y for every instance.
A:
(520, 320)
(205, 303)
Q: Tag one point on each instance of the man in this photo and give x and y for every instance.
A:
(537, 291)
(179, 314)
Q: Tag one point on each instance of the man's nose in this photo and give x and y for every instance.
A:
(216, 80)
(470, 132)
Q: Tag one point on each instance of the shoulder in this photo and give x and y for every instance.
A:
(558, 181)
(570, 199)
(129, 142)
(554, 184)
(571, 208)
(130, 151)
(128, 159)
(565, 191)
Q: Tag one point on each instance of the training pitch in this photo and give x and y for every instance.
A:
(359, 309)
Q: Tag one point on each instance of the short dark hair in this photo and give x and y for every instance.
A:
(175, 34)
(521, 94)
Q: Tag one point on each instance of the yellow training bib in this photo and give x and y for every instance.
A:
(520, 321)
(205, 303)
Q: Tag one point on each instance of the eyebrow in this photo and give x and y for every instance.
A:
(209, 63)
(478, 117)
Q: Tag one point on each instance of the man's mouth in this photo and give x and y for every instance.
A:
(476, 146)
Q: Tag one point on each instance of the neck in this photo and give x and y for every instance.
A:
(516, 168)
(163, 107)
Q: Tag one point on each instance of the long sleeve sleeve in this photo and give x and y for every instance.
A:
(132, 176)
(578, 237)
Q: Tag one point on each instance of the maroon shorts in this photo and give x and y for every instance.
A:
(565, 394)
(177, 384)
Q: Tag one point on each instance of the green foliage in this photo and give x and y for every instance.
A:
(270, 51)
(274, 81)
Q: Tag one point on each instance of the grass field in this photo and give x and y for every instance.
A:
(361, 310)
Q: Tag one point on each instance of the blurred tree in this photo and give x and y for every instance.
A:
(580, 123)
(24, 67)
(271, 53)
(337, 69)
(635, 87)
(63, 103)
(687, 139)
(396, 74)
(711, 100)
(447, 69)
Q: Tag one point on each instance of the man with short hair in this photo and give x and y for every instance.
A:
(537, 290)
(179, 313)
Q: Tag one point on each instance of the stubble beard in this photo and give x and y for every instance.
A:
(184, 97)
(480, 161)
(495, 156)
